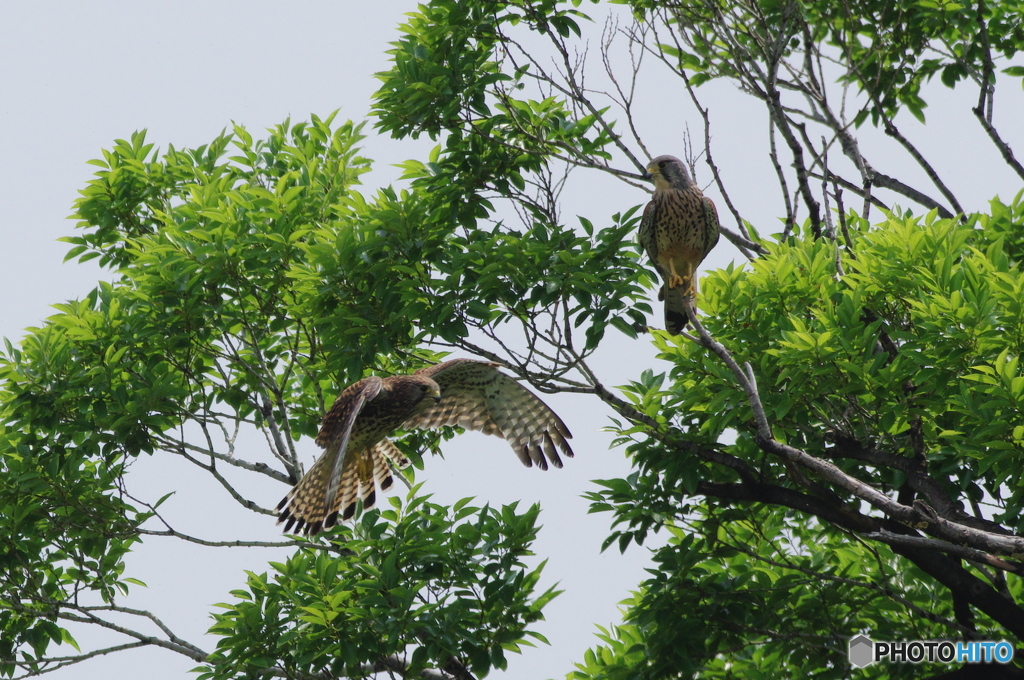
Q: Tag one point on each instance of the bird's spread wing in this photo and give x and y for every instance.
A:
(314, 502)
(336, 431)
(393, 455)
(358, 457)
(477, 396)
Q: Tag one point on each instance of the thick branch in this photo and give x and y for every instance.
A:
(171, 533)
(918, 479)
(908, 516)
(943, 546)
(921, 551)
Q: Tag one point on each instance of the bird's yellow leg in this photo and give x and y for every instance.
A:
(688, 280)
(674, 280)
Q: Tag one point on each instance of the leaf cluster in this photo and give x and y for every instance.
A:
(250, 280)
(413, 587)
(901, 366)
(950, 39)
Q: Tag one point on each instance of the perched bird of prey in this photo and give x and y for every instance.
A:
(679, 228)
(471, 394)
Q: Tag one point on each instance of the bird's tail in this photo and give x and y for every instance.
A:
(306, 508)
(676, 316)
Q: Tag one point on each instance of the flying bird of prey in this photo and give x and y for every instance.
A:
(678, 230)
(471, 394)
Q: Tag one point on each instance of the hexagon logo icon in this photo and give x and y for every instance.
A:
(862, 650)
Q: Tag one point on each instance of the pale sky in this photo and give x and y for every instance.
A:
(77, 76)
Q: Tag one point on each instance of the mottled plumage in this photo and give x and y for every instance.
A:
(461, 392)
(679, 228)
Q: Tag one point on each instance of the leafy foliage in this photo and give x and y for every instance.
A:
(415, 587)
(939, 395)
(850, 405)
(251, 280)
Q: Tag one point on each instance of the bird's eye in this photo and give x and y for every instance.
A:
(661, 164)
(424, 388)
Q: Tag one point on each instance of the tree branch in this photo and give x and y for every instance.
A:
(908, 516)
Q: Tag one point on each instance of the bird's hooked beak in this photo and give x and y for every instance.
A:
(648, 175)
(435, 394)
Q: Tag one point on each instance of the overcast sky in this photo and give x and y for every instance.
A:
(77, 76)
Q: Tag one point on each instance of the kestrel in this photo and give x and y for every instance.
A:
(471, 394)
(679, 228)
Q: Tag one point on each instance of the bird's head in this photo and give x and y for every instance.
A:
(425, 388)
(668, 172)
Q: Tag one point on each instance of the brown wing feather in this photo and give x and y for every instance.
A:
(477, 396)
(336, 431)
(646, 233)
(334, 480)
(306, 511)
(394, 454)
(713, 227)
(360, 477)
(302, 508)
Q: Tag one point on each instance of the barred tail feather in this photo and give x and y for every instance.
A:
(676, 316)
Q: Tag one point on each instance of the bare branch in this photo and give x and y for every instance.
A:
(625, 99)
(171, 533)
(65, 661)
(1004, 148)
(933, 175)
